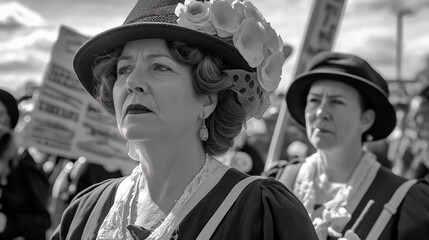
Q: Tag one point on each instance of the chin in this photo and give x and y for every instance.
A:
(129, 133)
(321, 144)
(132, 130)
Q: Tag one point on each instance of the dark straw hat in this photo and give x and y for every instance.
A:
(353, 71)
(11, 105)
(152, 19)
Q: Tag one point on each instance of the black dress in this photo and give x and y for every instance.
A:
(411, 220)
(264, 210)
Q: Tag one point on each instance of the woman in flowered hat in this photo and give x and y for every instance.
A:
(343, 102)
(181, 80)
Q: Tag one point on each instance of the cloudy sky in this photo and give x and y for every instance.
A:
(28, 29)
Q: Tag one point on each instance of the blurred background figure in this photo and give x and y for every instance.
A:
(410, 152)
(244, 156)
(423, 75)
(24, 188)
(343, 103)
(75, 176)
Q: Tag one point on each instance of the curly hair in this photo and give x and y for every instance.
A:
(228, 118)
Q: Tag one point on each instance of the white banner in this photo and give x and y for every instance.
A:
(66, 121)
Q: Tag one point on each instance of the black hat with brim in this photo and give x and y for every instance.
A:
(350, 70)
(150, 20)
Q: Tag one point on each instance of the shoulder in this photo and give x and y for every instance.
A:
(271, 201)
(258, 192)
(75, 217)
(386, 179)
(418, 195)
(86, 199)
(95, 190)
(413, 213)
(414, 205)
(265, 209)
(268, 190)
(415, 194)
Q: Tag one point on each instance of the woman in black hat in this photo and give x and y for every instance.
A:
(181, 80)
(343, 102)
(24, 189)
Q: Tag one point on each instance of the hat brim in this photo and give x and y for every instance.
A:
(385, 120)
(109, 40)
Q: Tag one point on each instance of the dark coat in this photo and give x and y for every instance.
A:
(264, 210)
(411, 221)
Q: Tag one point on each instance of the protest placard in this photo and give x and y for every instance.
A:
(66, 121)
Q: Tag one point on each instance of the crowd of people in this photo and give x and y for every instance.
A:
(182, 85)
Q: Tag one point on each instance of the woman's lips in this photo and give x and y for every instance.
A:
(137, 109)
(320, 130)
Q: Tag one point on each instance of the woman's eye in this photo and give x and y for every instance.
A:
(312, 100)
(161, 67)
(336, 101)
(124, 70)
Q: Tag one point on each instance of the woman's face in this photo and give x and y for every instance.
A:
(333, 115)
(154, 96)
(4, 116)
(420, 109)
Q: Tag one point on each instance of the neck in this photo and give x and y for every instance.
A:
(168, 169)
(340, 163)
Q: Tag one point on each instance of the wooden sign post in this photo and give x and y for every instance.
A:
(320, 35)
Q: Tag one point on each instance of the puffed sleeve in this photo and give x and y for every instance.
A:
(413, 220)
(268, 210)
(75, 220)
(73, 212)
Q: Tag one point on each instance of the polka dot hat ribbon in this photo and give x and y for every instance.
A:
(252, 97)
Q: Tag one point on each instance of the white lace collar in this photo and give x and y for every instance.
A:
(131, 200)
(337, 211)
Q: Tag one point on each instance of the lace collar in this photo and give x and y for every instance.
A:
(337, 211)
(132, 200)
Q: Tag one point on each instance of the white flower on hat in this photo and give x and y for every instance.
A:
(275, 42)
(238, 6)
(250, 11)
(225, 18)
(270, 70)
(195, 15)
(249, 41)
(253, 37)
